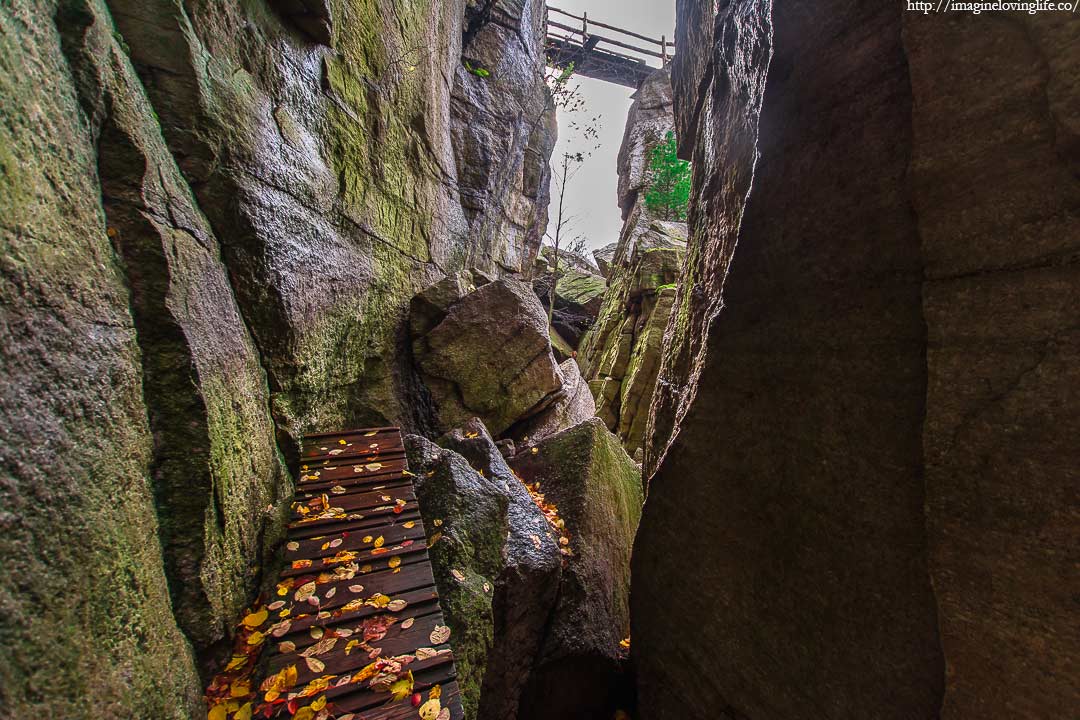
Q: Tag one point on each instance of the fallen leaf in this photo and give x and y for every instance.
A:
(256, 638)
(394, 561)
(286, 647)
(368, 538)
(304, 591)
(316, 633)
(293, 545)
(444, 714)
(396, 605)
(458, 575)
(439, 635)
(379, 541)
(276, 605)
(256, 619)
(425, 652)
(402, 687)
(436, 691)
(407, 623)
(217, 713)
(536, 541)
(338, 490)
(431, 709)
(320, 648)
(437, 522)
(336, 542)
(356, 588)
(409, 525)
(315, 665)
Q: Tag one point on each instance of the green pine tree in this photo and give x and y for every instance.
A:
(667, 195)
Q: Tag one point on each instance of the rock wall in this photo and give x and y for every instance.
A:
(215, 214)
(872, 426)
(620, 354)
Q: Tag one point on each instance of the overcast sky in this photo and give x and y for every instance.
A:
(593, 194)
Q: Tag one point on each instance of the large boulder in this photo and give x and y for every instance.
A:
(604, 257)
(496, 564)
(578, 299)
(527, 585)
(488, 356)
(575, 405)
(595, 486)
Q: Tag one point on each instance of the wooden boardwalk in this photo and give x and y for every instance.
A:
(362, 618)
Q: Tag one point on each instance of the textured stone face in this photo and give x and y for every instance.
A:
(620, 355)
(215, 214)
(597, 488)
(875, 431)
(489, 357)
(995, 191)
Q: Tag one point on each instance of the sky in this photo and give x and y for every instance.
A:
(592, 196)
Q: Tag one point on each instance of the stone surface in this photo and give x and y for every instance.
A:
(575, 405)
(578, 299)
(525, 589)
(994, 186)
(504, 129)
(604, 257)
(620, 354)
(489, 357)
(472, 512)
(213, 224)
(597, 488)
(649, 120)
(875, 431)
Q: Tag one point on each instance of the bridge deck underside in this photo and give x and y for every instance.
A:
(598, 64)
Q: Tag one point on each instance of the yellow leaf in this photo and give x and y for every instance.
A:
(379, 541)
(236, 663)
(350, 645)
(304, 713)
(256, 619)
(402, 687)
(240, 688)
(437, 522)
(216, 713)
(319, 704)
(394, 561)
(368, 538)
(244, 713)
(436, 691)
(315, 632)
(339, 442)
(256, 638)
(430, 710)
(378, 600)
(409, 525)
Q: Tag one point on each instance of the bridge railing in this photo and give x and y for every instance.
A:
(583, 34)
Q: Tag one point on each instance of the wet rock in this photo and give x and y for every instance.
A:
(312, 17)
(526, 587)
(575, 405)
(578, 298)
(649, 120)
(489, 357)
(504, 129)
(620, 354)
(473, 523)
(586, 473)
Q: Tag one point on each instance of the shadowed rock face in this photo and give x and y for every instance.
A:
(870, 431)
(597, 489)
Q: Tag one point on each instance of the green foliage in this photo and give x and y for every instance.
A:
(667, 195)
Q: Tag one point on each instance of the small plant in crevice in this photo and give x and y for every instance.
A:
(667, 194)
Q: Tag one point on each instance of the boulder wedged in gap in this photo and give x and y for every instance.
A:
(574, 405)
(586, 477)
(496, 563)
(485, 353)
(525, 589)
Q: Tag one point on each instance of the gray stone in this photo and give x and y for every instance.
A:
(489, 357)
(586, 473)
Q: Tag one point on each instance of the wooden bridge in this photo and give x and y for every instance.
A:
(354, 629)
(612, 57)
